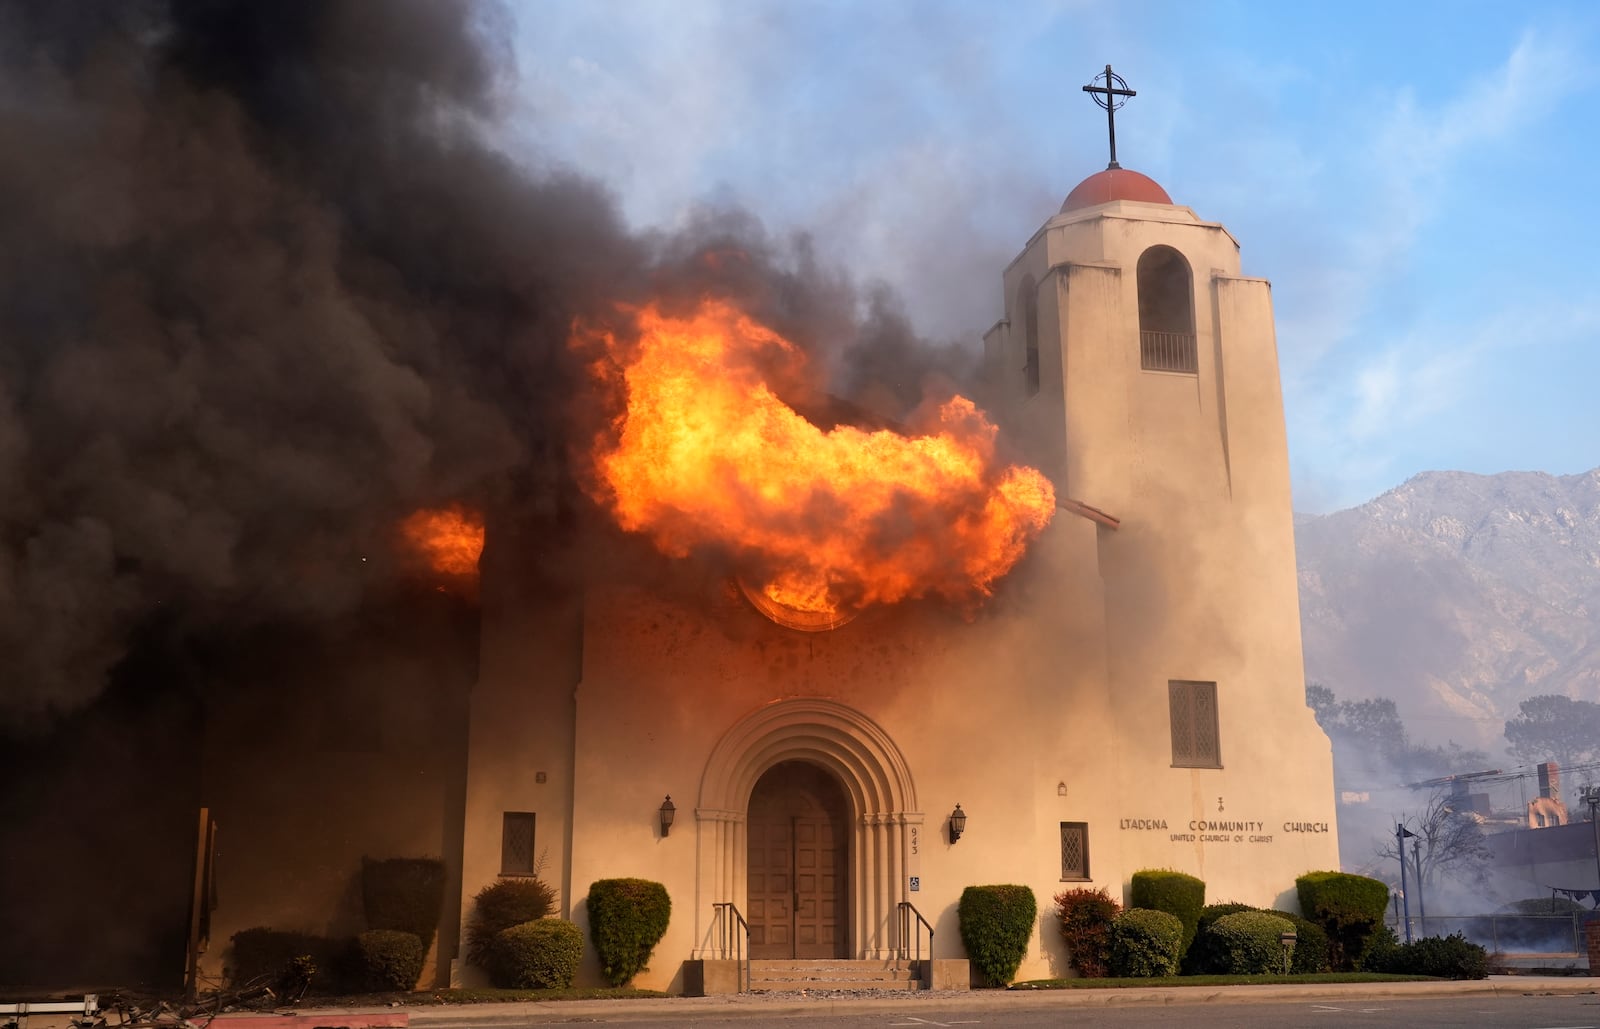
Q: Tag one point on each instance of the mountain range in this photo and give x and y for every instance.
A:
(1458, 596)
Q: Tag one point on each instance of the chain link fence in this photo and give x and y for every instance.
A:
(1555, 935)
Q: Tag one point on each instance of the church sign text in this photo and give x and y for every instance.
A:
(1201, 825)
(1204, 830)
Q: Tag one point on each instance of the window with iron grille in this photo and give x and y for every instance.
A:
(1074, 851)
(516, 843)
(1166, 312)
(1194, 724)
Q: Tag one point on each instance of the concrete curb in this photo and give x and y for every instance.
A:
(460, 1016)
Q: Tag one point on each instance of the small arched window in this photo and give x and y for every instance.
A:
(1028, 311)
(1166, 312)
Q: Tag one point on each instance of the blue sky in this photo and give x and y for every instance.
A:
(1418, 180)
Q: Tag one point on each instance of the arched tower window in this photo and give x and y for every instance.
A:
(1166, 312)
(1028, 312)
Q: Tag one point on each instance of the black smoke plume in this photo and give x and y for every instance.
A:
(267, 284)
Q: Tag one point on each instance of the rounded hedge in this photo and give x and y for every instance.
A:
(627, 918)
(1211, 912)
(1176, 893)
(996, 924)
(1145, 943)
(388, 960)
(501, 905)
(1310, 955)
(538, 955)
(1246, 943)
(1198, 959)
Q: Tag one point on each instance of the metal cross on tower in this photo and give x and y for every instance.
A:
(1110, 96)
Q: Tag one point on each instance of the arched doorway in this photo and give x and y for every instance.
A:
(798, 865)
(880, 798)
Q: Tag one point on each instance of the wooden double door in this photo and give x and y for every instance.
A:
(798, 828)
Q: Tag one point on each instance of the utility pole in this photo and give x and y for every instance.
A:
(1591, 796)
(1401, 833)
(1422, 906)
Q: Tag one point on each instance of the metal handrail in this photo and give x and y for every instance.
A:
(909, 910)
(729, 939)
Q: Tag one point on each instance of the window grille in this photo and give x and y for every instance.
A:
(1195, 742)
(1074, 850)
(1168, 352)
(516, 843)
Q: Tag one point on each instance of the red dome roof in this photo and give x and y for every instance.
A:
(1114, 184)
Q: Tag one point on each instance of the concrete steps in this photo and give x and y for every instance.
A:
(784, 976)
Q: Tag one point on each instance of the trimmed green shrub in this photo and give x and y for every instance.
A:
(404, 894)
(289, 961)
(996, 924)
(1380, 946)
(1246, 943)
(1199, 960)
(1085, 919)
(1145, 943)
(1310, 955)
(387, 960)
(627, 918)
(1180, 895)
(501, 905)
(1349, 907)
(1444, 957)
(537, 955)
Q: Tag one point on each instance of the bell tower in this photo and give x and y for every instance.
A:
(1139, 368)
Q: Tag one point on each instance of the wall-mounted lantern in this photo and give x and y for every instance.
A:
(668, 811)
(1061, 788)
(958, 823)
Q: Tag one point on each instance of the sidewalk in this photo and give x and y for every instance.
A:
(768, 1006)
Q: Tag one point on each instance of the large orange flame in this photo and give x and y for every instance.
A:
(450, 539)
(826, 522)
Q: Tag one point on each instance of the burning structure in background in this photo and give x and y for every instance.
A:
(267, 291)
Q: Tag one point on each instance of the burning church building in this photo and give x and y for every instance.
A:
(883, 699)
(814, 666)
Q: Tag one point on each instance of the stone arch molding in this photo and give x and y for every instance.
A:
(883, 801)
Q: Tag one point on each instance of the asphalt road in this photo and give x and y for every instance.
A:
(1432, 1013)
(1507, 1008)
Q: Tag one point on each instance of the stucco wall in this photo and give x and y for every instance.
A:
(992, 713)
